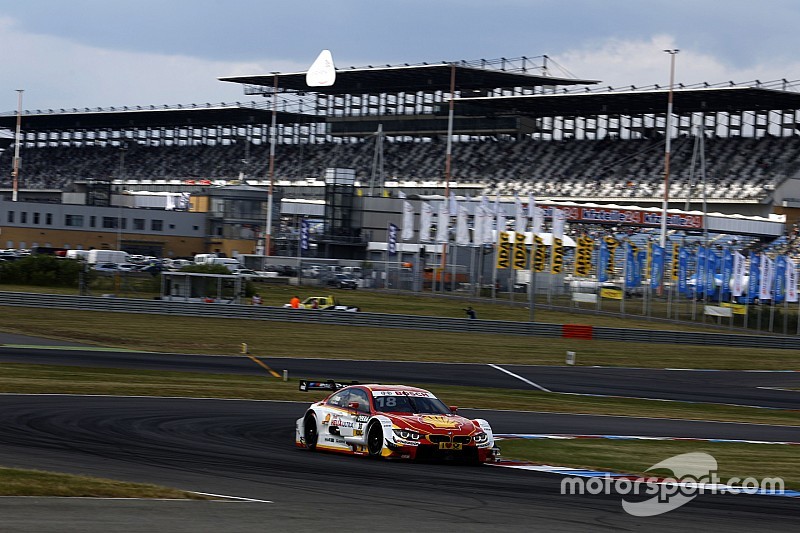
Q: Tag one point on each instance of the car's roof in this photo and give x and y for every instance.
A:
(379, 387)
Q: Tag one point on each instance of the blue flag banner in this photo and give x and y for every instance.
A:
(683, 270)
(727, 274)
(641, 262)
(712, 260)
(755, 278)
(656, 267)
(630, 267)
(304, 229)
(602, 268)
(780, 279)
(392, 239)
(700, 270)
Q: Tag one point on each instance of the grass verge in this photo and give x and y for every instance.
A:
(19, 482)
(635, 457)
(178, 334)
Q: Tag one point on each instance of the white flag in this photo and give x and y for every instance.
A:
(443, 222)
(500, 213)
(791, 281)
(425, 222)
(408, 221)
(322, 72)
(559, 217)
(462, 228)
(531, 205)
(737, 280)
(477, 226)
(538, 220)
(520, 220)
(767, 281)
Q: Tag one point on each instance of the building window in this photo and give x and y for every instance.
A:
(92, 221)
(36, 217)
(73, 221)
(110, 222)
(24, 217)
(138, 224)
(48, 219)
(156, 225)
(172, 226)
(11, 217)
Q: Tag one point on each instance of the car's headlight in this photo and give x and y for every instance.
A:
(480, 438)
(406, 434)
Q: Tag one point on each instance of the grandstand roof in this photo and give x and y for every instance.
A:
(730, 99)
(395, 79)
(150, 116)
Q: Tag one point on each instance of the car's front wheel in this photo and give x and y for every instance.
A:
(375, 440)
(310, 432)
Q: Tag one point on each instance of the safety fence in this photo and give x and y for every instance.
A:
(385, 320)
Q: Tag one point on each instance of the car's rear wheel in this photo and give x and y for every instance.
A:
(310, 432)
(375, 440)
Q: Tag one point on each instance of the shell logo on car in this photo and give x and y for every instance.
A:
(440, 422)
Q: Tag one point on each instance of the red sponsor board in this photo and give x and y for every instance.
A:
(628, 217)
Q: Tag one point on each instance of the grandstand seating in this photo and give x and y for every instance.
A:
(736, 167)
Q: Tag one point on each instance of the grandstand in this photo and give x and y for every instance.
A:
(517, 129)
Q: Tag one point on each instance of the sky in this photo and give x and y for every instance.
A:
(102, 53)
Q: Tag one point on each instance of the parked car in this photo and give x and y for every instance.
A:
(342, 281)
(246, 273)
(107, 267)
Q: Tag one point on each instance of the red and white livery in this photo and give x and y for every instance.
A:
(391, 421)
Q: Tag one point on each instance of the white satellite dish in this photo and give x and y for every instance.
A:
(322, 72)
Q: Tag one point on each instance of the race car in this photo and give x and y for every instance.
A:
(393, 422)
(325, 303)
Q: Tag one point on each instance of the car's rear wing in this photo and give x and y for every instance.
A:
(330, 385)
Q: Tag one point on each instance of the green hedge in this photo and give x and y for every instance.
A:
(43, 270)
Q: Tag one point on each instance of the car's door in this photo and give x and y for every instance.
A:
(358, 402)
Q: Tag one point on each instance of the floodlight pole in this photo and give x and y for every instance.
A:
(15, 171)
(273, 140)
(447, 165)
(663, 241)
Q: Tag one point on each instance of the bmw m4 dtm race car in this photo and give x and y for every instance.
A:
(391, 421)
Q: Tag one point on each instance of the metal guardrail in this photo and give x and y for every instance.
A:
(385, 320)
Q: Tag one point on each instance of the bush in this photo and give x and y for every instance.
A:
(43, 270)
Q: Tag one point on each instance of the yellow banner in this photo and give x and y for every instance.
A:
(583, 256)
(520, 252)
(503, 251)
(540, 254)
(675, 261)
(557, 257)
(612, 294)
(612, 245)
(738, 309)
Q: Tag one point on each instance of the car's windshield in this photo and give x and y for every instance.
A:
(398, 402)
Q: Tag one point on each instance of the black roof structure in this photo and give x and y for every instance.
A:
(708, 100)
(396, 79)
(149, 117)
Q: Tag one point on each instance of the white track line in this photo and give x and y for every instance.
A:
(238, 498)
(524, 380)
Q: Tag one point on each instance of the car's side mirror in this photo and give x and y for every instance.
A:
(453, 408)
(353, 405)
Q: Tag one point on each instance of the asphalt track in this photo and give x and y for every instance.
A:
(245, 449)
(762, 389)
